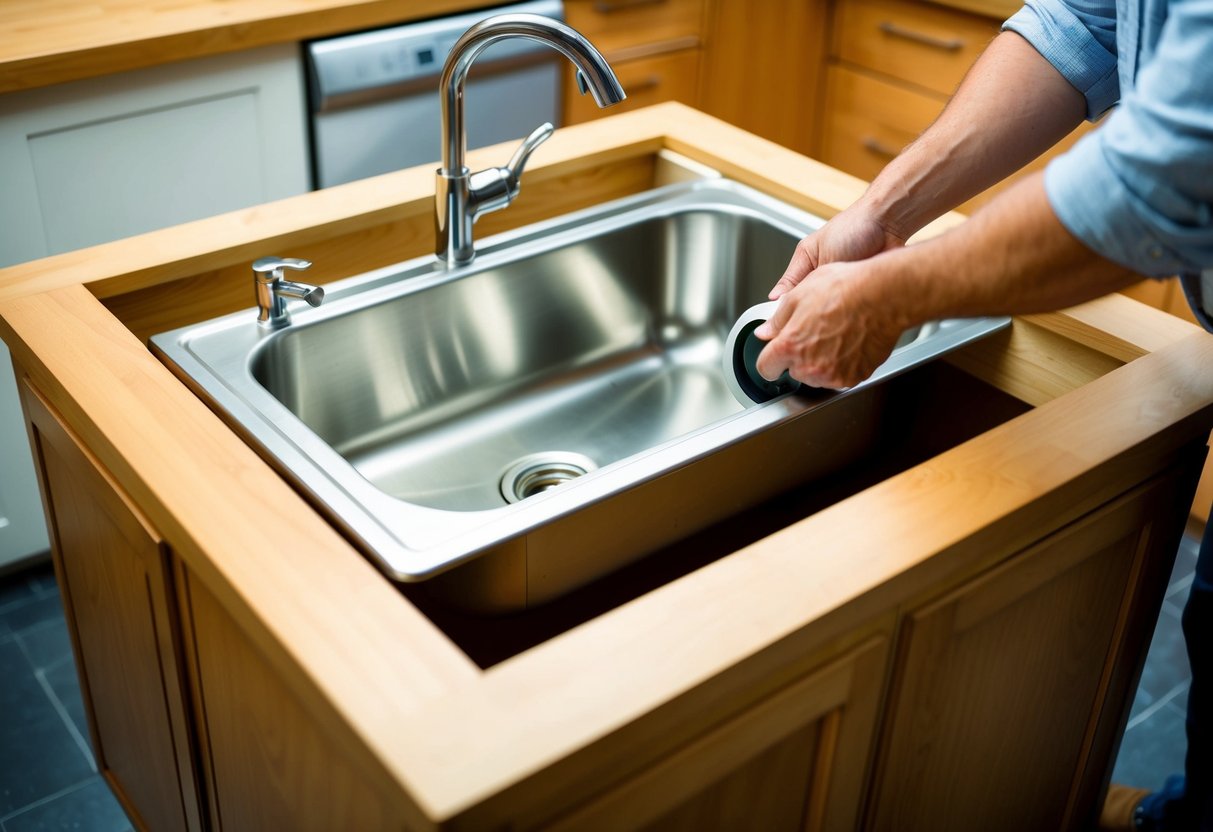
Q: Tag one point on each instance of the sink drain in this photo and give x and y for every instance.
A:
(536, 473)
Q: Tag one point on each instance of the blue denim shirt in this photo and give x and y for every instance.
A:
(1140, 189)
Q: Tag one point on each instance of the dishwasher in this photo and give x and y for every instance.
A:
(373, 96)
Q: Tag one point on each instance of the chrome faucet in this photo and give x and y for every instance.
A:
(273, 289)
(461, 196)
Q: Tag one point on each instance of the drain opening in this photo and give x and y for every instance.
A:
(537, 473)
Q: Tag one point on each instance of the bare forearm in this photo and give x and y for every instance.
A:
(1012, 257)
(1011, 107)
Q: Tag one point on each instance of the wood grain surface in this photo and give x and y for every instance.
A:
(45, 42)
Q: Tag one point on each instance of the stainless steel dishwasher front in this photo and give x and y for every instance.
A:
(374, 102)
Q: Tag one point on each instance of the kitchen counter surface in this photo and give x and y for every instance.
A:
(1113, 383)
(44, 42)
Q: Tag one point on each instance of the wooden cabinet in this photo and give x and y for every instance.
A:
(267, 764)
(114, 574)
(893, 65)
(795, 761)
(763, 65)
(653, 46)
(918, 43)
(1031, 643)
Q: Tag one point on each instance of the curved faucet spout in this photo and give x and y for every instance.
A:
(462, 195)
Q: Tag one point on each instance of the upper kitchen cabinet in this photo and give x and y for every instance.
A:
(108, 157)
(654, 46)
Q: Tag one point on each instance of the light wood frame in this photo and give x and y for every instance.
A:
(458, 744)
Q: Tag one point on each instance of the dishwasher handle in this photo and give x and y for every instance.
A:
(494, 188)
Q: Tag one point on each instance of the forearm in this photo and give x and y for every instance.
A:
(1012, 257)
(1011, 107)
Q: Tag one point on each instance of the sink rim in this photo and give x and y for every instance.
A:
(412, 542)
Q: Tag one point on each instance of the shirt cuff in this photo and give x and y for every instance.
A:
(1081, 185)
(1064, 41)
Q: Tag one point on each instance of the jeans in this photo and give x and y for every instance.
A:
(1186, 802)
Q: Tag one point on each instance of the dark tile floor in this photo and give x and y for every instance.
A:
(48, 777)
(49, 780)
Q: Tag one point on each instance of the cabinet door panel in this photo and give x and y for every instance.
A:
(270, 766)
(797, 760)
(762, 67)
(1031, 642)
(104, 158)
(113, 575)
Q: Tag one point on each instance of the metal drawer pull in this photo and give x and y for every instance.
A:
(890, 28)
(608, 6)
(878, 147)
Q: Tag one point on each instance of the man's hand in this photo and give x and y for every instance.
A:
(826, 332)
(852, 235)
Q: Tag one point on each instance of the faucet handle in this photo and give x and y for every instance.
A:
(518, 161)
(271, 268)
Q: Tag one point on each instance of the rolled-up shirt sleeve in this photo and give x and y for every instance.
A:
(1078, 37)
(1139, 190)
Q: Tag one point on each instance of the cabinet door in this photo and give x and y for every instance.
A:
(269, 765)
(762, 67)
(112, 569)
(795, 761)
(105, 158)
(1041, 642)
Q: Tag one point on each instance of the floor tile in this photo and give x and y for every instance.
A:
(1152, 750)
(42, 579)
(47, 643)
(40, 755)
(90, 808)
(31, 612)
(1167, 662)
(15, 589)
(65, 687)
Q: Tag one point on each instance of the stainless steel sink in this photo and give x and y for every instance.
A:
(551, 412)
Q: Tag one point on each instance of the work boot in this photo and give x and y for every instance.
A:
(1120, 808)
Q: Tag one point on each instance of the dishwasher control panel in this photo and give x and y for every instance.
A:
(354, 68)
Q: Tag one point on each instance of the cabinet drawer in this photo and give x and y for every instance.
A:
(922, 44)
(670, 77)
(869, 121)
(616, 26)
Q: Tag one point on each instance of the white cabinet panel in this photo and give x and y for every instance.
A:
(104, 158)
(22, 527)
(101, 181)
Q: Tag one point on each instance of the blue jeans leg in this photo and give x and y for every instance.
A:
(1186, 803)
(1198, 630)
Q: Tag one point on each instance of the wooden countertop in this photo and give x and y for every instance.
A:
(45, 42)
(391, 688)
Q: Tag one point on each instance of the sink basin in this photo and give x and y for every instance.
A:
(517, 427)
